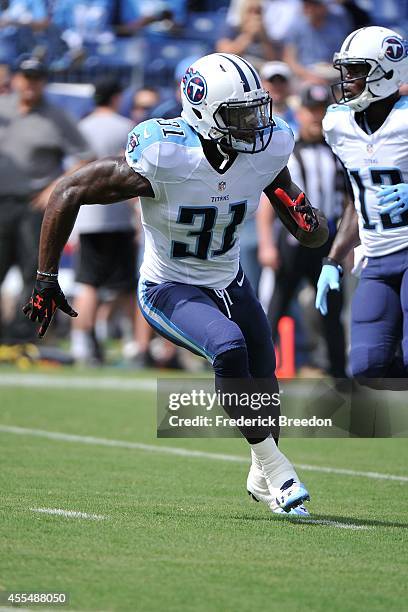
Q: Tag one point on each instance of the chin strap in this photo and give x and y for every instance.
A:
(224, 155)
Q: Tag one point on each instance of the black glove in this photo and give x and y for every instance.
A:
(301, 211)
(44, 301)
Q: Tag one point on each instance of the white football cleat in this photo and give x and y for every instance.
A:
(258, 489)
(291, 495)
(298, 511)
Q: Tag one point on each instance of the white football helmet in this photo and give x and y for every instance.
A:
(385, 56)
(223, 100)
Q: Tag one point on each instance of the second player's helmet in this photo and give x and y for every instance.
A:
(223, 100)
(384, 56)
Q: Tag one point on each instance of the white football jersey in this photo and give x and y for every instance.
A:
(372, 160)
(192, 224)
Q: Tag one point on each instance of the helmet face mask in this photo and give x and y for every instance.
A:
(223, 101)
(381, 54)
(245, 125)
(369, 72)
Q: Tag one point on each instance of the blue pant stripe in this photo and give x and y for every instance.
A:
(162, 323)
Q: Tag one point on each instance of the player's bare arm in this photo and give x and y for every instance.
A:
(104, 181)
(347, 236)
(307, 224)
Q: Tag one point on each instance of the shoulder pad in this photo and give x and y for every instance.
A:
(275, 157)
(335, 111)
(335, 115)
(163, 149)
(280, 124)
(282, 141)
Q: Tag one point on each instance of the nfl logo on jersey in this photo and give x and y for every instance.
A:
(222, 186)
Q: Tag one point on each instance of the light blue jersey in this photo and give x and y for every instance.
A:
(192, 224)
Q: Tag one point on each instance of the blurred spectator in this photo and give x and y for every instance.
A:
(31, 13)
(145, 107)
(359, 18)
(35, 140)
(136, 103)
(315, 169)
(21, 22)
(134, 9)
(107, 254)
(387, 12)
(280, 17)
(276, 78)
(315, 37)
(248, 38)
(143, 102)
(171, 107)
(5, 82)
(84, 21)
(135, 15)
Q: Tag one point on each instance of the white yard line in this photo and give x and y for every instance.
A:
(183, 452)
(113, 383)
(69, 513)
(345, 472)
(99, 517)
(78, 382)
(335, 524)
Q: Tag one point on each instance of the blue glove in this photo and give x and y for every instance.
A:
(329, 279)
(393, 199)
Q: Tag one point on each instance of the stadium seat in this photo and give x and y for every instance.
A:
(162, 54)
(205, 26)
(73, 98)
(13, 42)
(210, 5)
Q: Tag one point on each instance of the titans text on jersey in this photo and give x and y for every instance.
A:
(372, 160)
(192, 226)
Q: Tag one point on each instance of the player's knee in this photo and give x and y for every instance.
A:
(232, 363)
(222, 336)
(262, 362)
(368, 362)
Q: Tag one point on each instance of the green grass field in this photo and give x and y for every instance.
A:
(179, 532)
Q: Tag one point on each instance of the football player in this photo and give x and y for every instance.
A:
(367, 130)
(198, 177)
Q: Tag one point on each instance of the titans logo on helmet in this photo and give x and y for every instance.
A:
(194, 86)
(394, 49)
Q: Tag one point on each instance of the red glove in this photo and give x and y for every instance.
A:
(301, 212)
